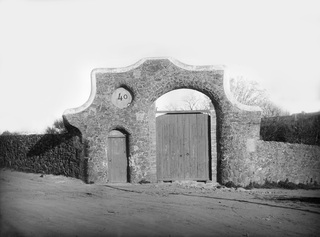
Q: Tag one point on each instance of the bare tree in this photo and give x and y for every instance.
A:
(172, 107)
(196, 102)
(191, 101)
(247, 92)
(250, 93)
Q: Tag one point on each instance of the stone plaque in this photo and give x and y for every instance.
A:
(121, 98)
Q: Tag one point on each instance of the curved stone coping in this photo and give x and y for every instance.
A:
(173, 61)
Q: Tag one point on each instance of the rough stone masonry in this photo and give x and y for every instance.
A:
(238, 126)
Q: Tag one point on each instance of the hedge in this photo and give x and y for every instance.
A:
(303, 128)
(58, 154)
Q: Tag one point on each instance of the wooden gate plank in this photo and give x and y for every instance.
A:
(207, 144)
(178, 150)
(172, 140)
(165, 146)
(201, 147)
(180, 157)
(186, 149)
(193, 146)
(159, 147)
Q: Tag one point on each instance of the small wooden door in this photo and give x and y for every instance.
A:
(117, 157)
(183, 147)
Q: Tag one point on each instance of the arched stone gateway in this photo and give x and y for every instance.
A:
(123, 99)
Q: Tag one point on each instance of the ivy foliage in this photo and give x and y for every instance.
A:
(303, 128)
(59, 154)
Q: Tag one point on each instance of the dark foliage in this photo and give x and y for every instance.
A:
(8, 133)
(59, 154)
(301, 128)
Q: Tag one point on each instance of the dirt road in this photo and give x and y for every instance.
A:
(32, 205)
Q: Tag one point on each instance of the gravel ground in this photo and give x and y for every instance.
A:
(48, 205)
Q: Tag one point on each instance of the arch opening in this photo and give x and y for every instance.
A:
(117, 155)
(194, 144)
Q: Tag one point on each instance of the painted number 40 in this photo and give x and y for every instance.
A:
(122, 97)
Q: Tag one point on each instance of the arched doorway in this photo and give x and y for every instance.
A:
(117, 157)
(186, 146)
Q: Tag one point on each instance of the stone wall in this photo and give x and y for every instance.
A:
(152, 169)
(278, 161)
(213, 135)
(147, 80)
(238, 156)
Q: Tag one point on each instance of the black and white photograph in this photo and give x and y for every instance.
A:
(159, 118)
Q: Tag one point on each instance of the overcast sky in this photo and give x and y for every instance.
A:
(49, 47)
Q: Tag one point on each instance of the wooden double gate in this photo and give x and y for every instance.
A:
(183, 147)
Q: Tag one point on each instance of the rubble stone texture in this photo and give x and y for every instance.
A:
(238, 126)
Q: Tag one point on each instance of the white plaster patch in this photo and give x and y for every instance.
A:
(251, 145)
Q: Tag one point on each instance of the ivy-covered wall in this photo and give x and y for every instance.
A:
(59, 154)
(303, 128)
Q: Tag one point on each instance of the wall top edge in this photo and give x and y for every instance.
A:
(172, 60)
(131, 67)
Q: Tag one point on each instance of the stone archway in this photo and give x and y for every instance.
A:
(237, 125)
(180, 110)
